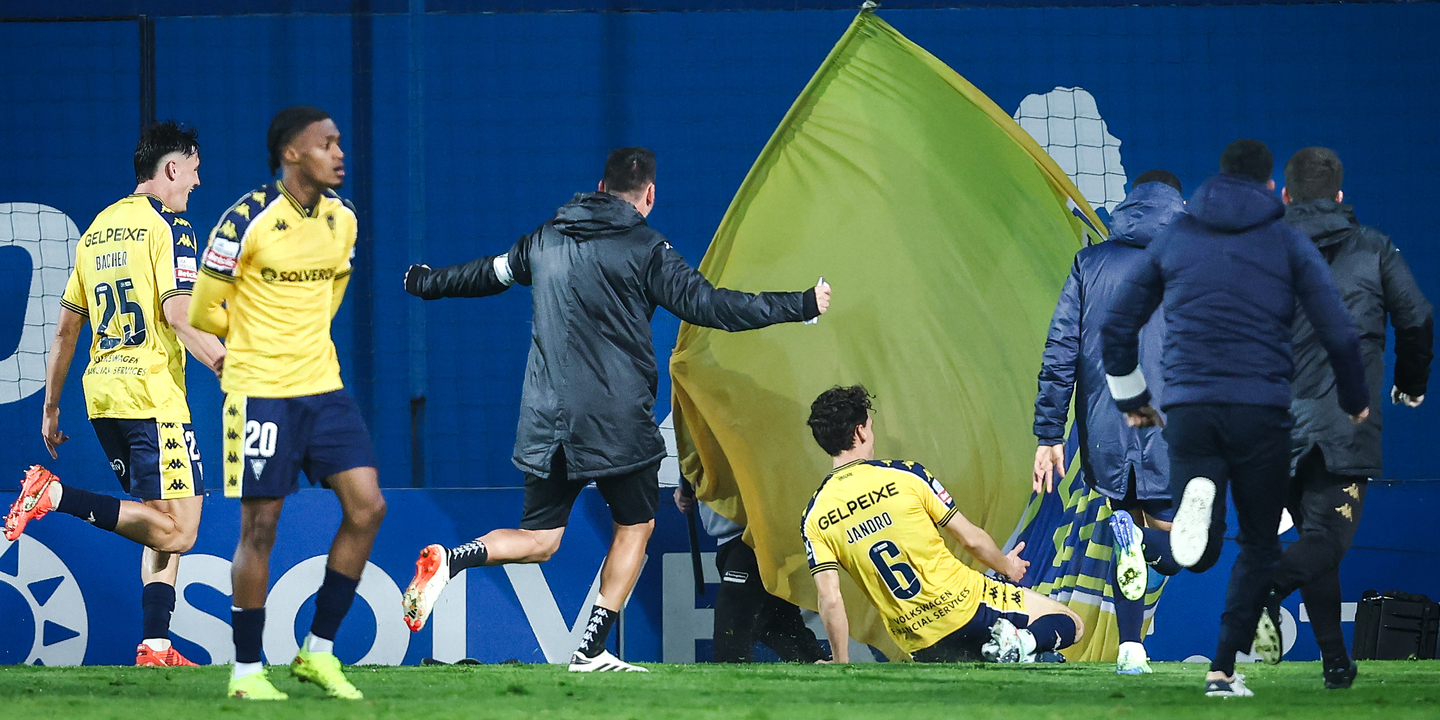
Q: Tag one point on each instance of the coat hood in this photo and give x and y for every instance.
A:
(1323, 220)
(1232, 203)
(591, 215)
(1145, 213)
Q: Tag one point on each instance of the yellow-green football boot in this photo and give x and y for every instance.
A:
(323, 669)
(255, 686)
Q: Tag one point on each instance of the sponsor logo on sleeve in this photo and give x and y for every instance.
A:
(185, 269)
(222, 255)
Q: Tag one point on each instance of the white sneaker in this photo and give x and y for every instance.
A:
(1130, 567)
(1132, 660)
(604, 662)
(1190, 532)
(1228, 688)
(432, 574)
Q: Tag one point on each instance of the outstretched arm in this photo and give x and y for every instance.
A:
(832, 614)
(977, 542)
(682, 290)
(57, 367)
(489, 275)
(1414, 322)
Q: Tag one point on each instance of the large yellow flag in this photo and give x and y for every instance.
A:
(946, 232)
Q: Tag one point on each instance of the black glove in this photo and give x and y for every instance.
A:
(414, 278)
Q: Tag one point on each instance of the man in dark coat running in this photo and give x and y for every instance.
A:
(587, 412)
(1229, 273)
(1334, 459)
(1129, 466)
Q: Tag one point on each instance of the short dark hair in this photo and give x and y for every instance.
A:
(1160, 176)
(835, 415)
(287, 124)
(1248, 158)
(160, 139)
(629, 169)
(1314, 173)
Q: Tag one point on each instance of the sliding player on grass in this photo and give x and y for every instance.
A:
(134, 269)
(279, 261)
(879, 520)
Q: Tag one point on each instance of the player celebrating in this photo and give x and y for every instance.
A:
(133, 273)
(597, 272)
(279, 262)
(877, 519)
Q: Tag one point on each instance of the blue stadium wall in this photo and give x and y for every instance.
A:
(516, 103)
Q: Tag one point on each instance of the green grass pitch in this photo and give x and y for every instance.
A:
(758, 692)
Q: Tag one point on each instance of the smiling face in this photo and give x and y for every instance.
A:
(183, 171)
(316, 155)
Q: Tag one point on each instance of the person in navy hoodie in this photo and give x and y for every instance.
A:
(1229, 273)
(1129, 466)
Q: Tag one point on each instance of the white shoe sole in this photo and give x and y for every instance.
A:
(1190, 532)
(1269, 645)
(420, 597)
(1130, 565)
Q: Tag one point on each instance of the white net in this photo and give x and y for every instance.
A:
(50, 237)
(1067, 123)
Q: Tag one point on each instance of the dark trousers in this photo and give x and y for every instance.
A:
(1326, 508)
(745, 613)
(1245, 448)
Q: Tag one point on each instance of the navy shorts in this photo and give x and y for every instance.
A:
(268, 442)
(153, 460)
(998, 599)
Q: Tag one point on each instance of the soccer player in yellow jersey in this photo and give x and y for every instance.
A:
(272, 277)
(133, 271)
(879, 520)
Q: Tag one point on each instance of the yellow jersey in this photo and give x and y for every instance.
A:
(281, 271)
(134, 256)
(878, 520)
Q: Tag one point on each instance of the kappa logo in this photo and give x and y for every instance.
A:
(185, 239)
(178, 484)
(330, 220)
(176, 464)
(172, 444)
(281, 226)
(243, 210)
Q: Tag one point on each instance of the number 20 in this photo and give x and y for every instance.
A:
(260, 439)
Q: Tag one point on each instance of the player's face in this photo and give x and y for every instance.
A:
(187, 178)
(320, 158)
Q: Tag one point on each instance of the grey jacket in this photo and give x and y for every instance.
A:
(597, 272)
(1374, 282)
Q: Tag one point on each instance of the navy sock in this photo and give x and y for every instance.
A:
(597, 631)
(102, 511)
(248, 628)
(1129, 614)
(331, 604)
(157, 601)
(1052, 632)
(471, 554)
(1157, 552)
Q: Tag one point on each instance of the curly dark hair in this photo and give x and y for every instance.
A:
(835, 415)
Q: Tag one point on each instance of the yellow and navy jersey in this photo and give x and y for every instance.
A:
(283, 263)
(134, 256)
(878, 520)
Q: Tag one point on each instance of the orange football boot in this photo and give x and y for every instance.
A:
(33, 503)
(145, 656)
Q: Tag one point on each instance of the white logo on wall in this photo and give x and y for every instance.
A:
(392, 638)
(62, 628)
(1067, 123)
(50, 237)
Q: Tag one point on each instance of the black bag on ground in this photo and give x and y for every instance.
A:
(1394, 625)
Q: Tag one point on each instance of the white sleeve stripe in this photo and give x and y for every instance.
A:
(1128, 386)
(502, 270)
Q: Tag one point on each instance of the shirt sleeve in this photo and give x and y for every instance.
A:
(817, 553)
(74, 297)
(937, 501)
(222, 254)
(175, 261)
